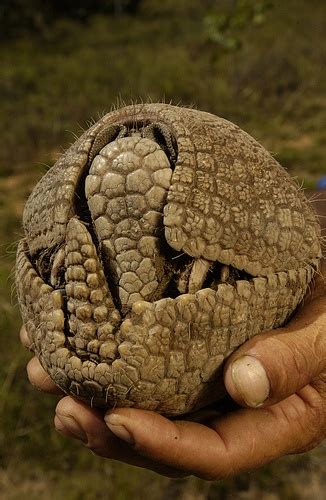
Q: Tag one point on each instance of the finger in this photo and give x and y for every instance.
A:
(240, 441)
(76, 420)
(276, 364)
(24, 338)
(39, 378)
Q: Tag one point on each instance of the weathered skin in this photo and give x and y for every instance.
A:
(162, 240)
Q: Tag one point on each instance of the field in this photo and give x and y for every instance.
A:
(263, 69)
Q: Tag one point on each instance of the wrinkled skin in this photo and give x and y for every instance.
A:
(291, 420)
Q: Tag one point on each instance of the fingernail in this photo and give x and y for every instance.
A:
(69, 426)
(117, 424)
(251, 381)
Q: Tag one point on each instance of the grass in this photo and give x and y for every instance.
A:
(273, 87)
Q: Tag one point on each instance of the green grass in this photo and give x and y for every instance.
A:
(272, 87)
(51, 86)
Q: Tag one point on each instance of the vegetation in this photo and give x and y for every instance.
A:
(18, 17)
(260, 64)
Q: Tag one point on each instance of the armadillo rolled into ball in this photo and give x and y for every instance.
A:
(163, 239)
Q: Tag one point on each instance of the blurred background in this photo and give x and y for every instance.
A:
(261, 64)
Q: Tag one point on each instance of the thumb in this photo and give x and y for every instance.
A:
(278, 363)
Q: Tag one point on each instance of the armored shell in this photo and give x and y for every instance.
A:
(163, 239)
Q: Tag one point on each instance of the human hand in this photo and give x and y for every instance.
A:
(279, 377)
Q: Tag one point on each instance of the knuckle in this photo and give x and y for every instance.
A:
(302, 359)
(318, 419)
(303, 418)
(317, 402)
(315, 441)
(296, 363)
(318, 346)
(316, 431)
(289, 364)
